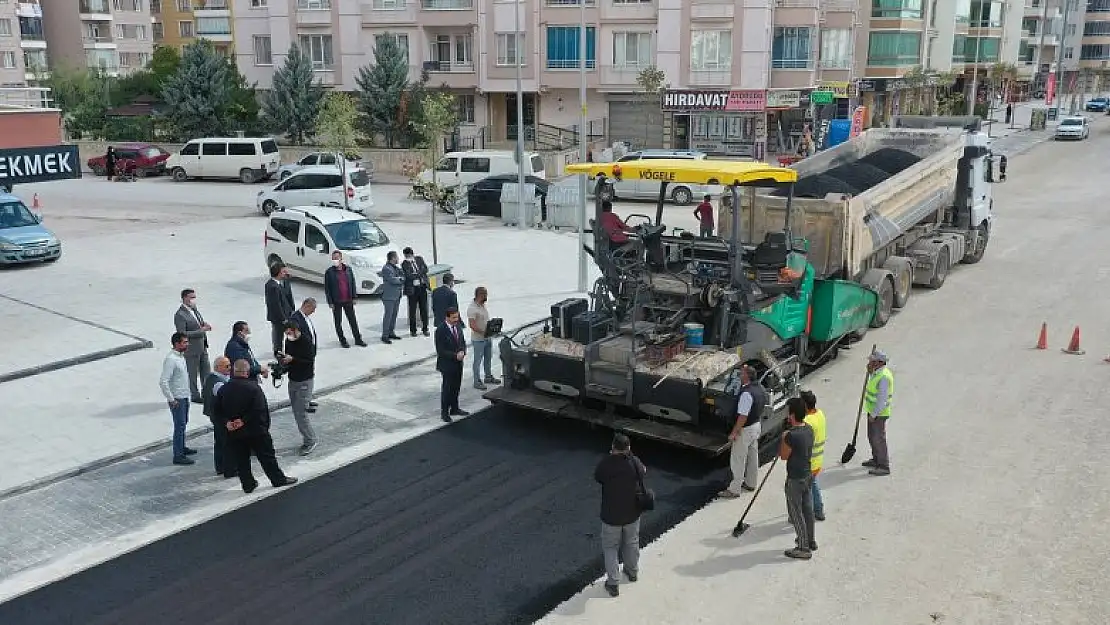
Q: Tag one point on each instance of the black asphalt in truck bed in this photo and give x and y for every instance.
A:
(491, 520)
(854, 177)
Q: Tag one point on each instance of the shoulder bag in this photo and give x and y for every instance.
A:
(645, 497)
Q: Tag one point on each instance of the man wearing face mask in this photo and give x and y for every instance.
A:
(238, 348)
(339, 289)
(477, 317)
(300, 358)
(279, 303)
(416, 289)
(187, 320)
(394, 284)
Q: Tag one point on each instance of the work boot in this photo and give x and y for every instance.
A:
(613, 590)
(871, 464)
(880, 471)
(478, 385)
(747, 489)
(798, 554)
(631, 575)
(491, 380)
(727, 494)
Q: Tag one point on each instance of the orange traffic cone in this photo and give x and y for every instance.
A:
(35, 202)
(1042, 340)
(1073, 345)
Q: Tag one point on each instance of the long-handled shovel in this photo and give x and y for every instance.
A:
(741, 526)
(850, 450)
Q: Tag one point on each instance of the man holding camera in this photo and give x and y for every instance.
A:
(477, 317)
(299, 360)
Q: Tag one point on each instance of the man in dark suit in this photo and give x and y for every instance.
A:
(187, 320)
(279, 303)
(243, 407)
(238, 348)
(450, 352)
(339, 289)
(444, 297)
(416, 289)
(225, 464)
(307, 328)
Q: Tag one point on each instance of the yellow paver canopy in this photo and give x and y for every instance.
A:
(687, 171)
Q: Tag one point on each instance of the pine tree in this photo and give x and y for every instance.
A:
(199, 96)
(382, 87)
(293, 103)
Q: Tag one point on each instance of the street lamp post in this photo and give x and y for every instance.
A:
(582, 134)
(520, 118)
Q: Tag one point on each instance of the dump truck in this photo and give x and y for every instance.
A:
(815, 256)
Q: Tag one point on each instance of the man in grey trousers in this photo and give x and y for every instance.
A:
(188, 321)
(393, 279)
(620, 475)
(299, 355)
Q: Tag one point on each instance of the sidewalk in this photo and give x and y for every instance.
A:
(63, 422)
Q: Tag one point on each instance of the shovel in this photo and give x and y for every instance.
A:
(741, 526)
(850, 450)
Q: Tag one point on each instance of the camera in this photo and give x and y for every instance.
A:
(277, 370)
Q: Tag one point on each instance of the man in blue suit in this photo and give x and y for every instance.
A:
(393, 279)
(238, 348)
(443, 298)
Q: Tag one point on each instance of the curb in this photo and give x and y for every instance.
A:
(74, 361)
(88, 467)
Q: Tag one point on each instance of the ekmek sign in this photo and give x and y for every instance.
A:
(39, 164)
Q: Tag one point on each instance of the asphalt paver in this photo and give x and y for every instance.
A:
(491, 520)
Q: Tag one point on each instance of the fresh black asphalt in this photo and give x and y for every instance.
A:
(493, 520)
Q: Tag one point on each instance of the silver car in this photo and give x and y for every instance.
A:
(354, 161)
(1073, 127)
(681, 194)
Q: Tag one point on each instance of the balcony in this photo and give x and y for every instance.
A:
(620, 77)
(223, 36)
(568, 3)
(95, 10)
(715, 10)
(835, 64)
(840, 6)
(447, 13)
(628, 10)
(718, 77)
(211, 8)
(98, 42)
(314, 13)
(454, 74)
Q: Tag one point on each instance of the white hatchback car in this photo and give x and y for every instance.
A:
(304, 237)
(1073, 127)
(316, 186)
(354, 161)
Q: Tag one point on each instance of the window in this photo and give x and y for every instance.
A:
(158, 29)
(155, 7)
(402, 42)
(5, 28)
(1070, 52)
(447, 164)
(262, 52)
(465, 105)
(475, 165)
(326, 159)
(896, 9)
(314, 5)
(357, 235)
(131, 31)
(185, 29)
(213, 149)
(893, 47)
(982, 49)
(269, 146)
(314, 239)
(35, 60)
(213, 26)
(464, 45)
(308, 160)
(258, 4)
(184, 6)
(711, 49)
(289, 229)
(1096, 29)
(985, 14)
(563, 47)
(632, 49)
(133, 59)
(1070, 30)
(836, 48)
(318, 49)
(7, 60)
(128, 5)
(448, 50)
(241, 149)
(510, 49)
(959, 44)
(791, 48)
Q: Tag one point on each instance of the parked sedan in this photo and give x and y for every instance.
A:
(484, 196)
(1074, 127)
(149, 159)
(23, 239)
(354, 161)
(1097, 105)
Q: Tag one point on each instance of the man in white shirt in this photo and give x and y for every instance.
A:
(477, 317)
(175, 387)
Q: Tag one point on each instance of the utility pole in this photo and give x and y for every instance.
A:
(975, 79)
(520, 118)
(582, 134)
(1060, 58)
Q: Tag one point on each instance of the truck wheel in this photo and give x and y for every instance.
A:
(902, 270)
(976, 255)
(940, 269)
(886, 303)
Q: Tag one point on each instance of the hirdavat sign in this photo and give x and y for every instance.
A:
(39, 164)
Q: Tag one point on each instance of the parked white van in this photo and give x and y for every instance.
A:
(319, 185)
(468, 167)
(248, 159)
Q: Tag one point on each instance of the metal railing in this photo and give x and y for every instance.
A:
(716, 76)
(835, 63)
(791, 63)
(389, 5)
(93, 6)
(209, 5)
(448, 67)
(26, 97)
(313, 5)
(570, 63)
(447, 5)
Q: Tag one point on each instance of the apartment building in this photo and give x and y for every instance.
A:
(115, 36)
(177, 23)
(23, 47)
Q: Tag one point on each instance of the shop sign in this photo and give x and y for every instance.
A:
(866, 85)
(857, 121)
(822, 97)
(725, 148)
(702, 101)
(784, 99)
(842, 89)
(39, 164)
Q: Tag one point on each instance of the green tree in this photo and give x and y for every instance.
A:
(438, 115)
(242, 110)
(83, 95)
(382, 88)
(293, 103)
(199, 96)
(164, 62)
(652, 82)
(336, 127)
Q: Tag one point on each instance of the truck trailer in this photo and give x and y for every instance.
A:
(815, 256)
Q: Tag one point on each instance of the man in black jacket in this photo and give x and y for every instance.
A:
(443, 298)
(300, 358)
(279, 303)
(340, 291)
(242, 406)
(225, 464)
(620, 474)
(416, 289)
(450, 351)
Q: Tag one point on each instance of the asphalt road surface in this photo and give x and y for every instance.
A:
(492, 520)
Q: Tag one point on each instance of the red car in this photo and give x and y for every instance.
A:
(148, 159)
